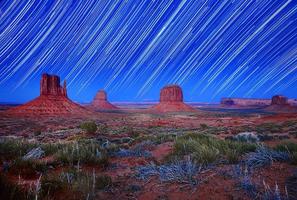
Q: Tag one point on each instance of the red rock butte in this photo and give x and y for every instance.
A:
(100, 102)
(280, 103)
(171, 100)
(279, 100)
(53, 100)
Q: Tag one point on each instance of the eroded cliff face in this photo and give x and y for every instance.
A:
(100, 101)
(171, 93)
(50, 85)
(171, 100)
(52, 101)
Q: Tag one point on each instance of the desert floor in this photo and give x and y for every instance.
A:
(214, 153)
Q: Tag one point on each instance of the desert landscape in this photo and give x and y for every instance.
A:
(148, 100)
(53, 148)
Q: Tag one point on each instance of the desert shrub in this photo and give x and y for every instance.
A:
(264, 156)
(289, 147)
(206, 149)
(51, 185)
(89, 127)
(84, 152)
(203, 126)
(137, 151)
(232, 156)
(103, 182)
(275, 194)
(291, 183)
(27, 168)
(213, 130)
(12, 148)
(246, 137)
(80, 185)
(51, 148)
(162, 138)
(11, 191)
(179, 171)
(102, 128)
(37, 132)
(269, 127)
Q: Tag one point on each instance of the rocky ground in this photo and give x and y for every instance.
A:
(135, 154)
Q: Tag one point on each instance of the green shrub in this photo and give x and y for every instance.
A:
(12, 148)
(80, 185)
(206, 149)
(27, 168)
(289, 147)
(11, 191)
(89, 127)
(103, 182)
(51, 185)
(203, 126)
(84, 152)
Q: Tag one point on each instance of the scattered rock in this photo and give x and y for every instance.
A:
(35, 153)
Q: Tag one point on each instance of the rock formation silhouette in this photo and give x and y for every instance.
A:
(53, 100)
(171, 100)
(100, 102)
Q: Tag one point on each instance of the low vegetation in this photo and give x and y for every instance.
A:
(12, 191)
(80, 185)
(82, 152)
(89, 127)
(207, 149)
(179, 171)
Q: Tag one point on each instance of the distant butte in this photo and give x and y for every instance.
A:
(171, 100)
(279, 100)
(100, 102)
(281, 103)
(53, 100)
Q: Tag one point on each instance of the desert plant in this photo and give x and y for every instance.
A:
(102, 128)
(275, 194)
(207, 149)
(11, 191)
(51, 185)
(28, 168)
(203, 126)
(291, 183)
(13, 148)
(89, 127)
(246, 137)
(264, 156)
(103, 182)
(137, 152)
(179, 171)
(84, 152)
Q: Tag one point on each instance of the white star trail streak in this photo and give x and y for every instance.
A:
(133, 48)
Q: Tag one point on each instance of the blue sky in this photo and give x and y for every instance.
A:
(132, 48)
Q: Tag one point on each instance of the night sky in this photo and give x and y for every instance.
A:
(132, 48)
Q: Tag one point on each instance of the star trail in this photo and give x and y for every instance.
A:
(132, 48)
